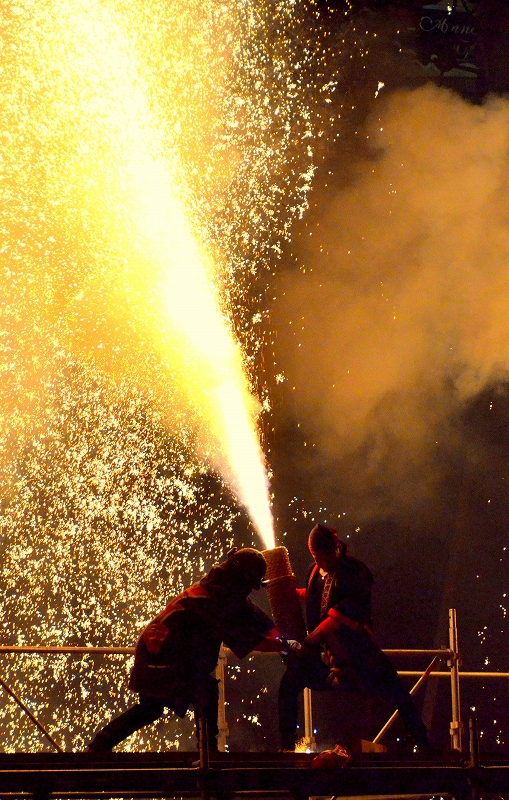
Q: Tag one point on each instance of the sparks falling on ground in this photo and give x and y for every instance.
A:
(119, 117)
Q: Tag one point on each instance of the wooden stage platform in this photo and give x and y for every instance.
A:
(172, 775)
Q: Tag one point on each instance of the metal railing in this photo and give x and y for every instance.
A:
(448, 654)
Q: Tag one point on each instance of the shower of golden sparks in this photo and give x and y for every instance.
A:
(108, 505)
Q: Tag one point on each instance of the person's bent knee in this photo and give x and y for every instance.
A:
(150, 708)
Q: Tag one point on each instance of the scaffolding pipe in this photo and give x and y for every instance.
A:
(309, 737)
(473, 742)
(444, 652)
(451, 654)
(222, 724)
(29, 714)
(79, 650)
(74, 650)
(456, 724)
(391, 720)
(443, 674)
(204, 758)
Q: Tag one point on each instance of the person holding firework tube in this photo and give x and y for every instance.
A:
(179, 649)
(340, 645)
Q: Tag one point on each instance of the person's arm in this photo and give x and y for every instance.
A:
(273, 642)
(332, 623)
(253, 630)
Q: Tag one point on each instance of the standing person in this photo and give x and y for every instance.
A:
(340, 644)
(179, 649)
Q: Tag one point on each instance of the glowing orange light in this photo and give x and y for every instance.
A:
(214, 362)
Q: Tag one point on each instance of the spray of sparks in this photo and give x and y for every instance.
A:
(117, 379)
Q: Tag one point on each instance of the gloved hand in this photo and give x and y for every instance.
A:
(290, 646)
(292, 651)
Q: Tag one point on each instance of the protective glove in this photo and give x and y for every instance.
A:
(292, 651)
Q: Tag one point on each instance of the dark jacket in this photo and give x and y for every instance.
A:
(180, 647)
(350, 593)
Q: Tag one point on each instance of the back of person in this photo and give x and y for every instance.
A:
(179, 649)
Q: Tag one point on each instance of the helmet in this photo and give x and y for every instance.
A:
(247, 565)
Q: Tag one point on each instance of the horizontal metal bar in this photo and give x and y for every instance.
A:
(76, 650)
(446, 653)
(7, 648)
(111, 651)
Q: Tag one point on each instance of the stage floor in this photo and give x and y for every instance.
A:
(151, 775)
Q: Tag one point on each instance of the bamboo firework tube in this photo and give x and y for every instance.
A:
(283, 597)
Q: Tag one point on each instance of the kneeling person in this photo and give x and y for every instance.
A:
(340, 642)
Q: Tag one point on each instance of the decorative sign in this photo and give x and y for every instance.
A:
(446, 40)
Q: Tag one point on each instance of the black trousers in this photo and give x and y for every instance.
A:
(148, 709)
(368, 664)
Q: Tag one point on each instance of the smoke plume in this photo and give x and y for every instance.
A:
(398, 320)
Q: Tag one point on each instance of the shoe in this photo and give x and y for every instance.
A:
(99, 745)
(431, 752)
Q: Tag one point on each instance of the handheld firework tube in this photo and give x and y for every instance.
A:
(283, 597)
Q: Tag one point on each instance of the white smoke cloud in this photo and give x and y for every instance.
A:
(402, 313)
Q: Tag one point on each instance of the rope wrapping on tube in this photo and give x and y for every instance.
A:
(283, 598)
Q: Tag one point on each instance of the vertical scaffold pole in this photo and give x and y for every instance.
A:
(309, 737)
(474, 742)
(454, 663)
(222, 724)
(204, 762)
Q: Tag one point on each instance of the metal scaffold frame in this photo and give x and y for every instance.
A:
(449, 655)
